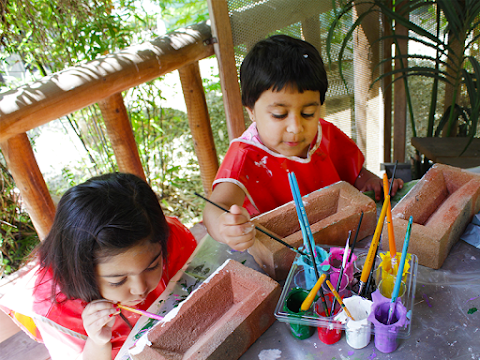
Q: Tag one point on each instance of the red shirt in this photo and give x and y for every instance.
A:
(65, 315)
(262, 173)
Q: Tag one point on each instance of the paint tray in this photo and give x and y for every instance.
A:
(310, 318)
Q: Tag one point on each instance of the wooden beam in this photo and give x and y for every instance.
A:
(199, 121)
(22, 165)
(120, 134)
(59, 94)
(222, 34)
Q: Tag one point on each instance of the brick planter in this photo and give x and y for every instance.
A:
(442, 204)
(332, 212)
(220, 320)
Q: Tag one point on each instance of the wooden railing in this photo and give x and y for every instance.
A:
(102, 81)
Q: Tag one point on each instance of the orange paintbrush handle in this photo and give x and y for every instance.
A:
(391, 235)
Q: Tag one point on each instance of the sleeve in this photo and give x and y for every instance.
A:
(344, 153)
(181, 245)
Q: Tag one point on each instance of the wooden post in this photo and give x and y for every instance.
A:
(120, 133)
(223, 45)
(400, 99)
(387, 94)
(22, 165)
(199, 121)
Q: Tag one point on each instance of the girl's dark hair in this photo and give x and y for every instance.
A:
(102, 217)
(280, 61)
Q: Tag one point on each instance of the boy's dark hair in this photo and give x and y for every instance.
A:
(280, 61)
(102, 217)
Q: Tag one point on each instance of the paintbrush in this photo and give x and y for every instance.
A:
(339, 299)
(141, 312)
(398, 280)
(373, 247)
(311, 295)
(256, 227)
(342, 268)
(369, 281)
(355, 238)
(391, 235)
(306, 231)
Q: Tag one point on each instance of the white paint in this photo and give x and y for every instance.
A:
(172, 313)
(358, 332)
(270, 354)
(140, 345)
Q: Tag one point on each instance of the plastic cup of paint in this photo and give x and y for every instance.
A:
(386, 285)
(335, 261)
(386, 335)
(331, 331)
(358, 268)
(292, 305)
(359, 331)
(306, 277)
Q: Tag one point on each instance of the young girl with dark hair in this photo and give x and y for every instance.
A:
(283, 81)
(110, 243)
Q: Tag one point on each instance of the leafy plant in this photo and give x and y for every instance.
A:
(454, 43)
(17, 234)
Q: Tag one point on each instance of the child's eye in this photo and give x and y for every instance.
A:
(120, 283)
(279, 116)
(308, 115)
(153, 267)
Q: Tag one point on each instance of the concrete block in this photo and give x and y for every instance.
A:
(442, 204)
(218, 321)
(332, 211)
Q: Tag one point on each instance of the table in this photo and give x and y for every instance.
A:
(441, 328)
(447, 150)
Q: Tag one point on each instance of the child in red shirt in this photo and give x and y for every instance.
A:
(110, 243)
(283, 83)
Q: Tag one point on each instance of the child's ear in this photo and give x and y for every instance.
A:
(251, 113)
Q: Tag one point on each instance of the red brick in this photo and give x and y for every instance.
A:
(442, 204)
(332, 212)
(220, 320)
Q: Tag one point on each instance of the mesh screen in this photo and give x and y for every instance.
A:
(356, 110)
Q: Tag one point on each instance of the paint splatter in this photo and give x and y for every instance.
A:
(472, 298)
(426, 300)
(472, 310)
(351, 353)
(271, 354)
(373, 356)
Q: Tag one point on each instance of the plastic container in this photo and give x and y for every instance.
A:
(310, 317)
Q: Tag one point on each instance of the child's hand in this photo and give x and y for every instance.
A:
(236, 229)
(376, 184)
(367, 181)
(98, 319)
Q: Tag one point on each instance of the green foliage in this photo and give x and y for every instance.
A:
(50, 36)
(17, 234)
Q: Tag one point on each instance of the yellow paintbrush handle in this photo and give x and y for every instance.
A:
(339, 299)
(311, 296)
(373, 246)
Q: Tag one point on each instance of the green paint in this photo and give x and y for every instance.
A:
(472, 310)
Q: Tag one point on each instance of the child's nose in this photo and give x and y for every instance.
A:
(139, 286)
(295, 124)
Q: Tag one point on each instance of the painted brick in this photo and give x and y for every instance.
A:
(218, 321)
(332, 211)
(442, 204)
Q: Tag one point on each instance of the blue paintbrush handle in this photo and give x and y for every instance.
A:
(398, 281)
(303, 214)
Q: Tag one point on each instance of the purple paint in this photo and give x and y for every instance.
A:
(472, 298)
(373, 356)
(386, 336)
(351, 353)
(426, 300)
